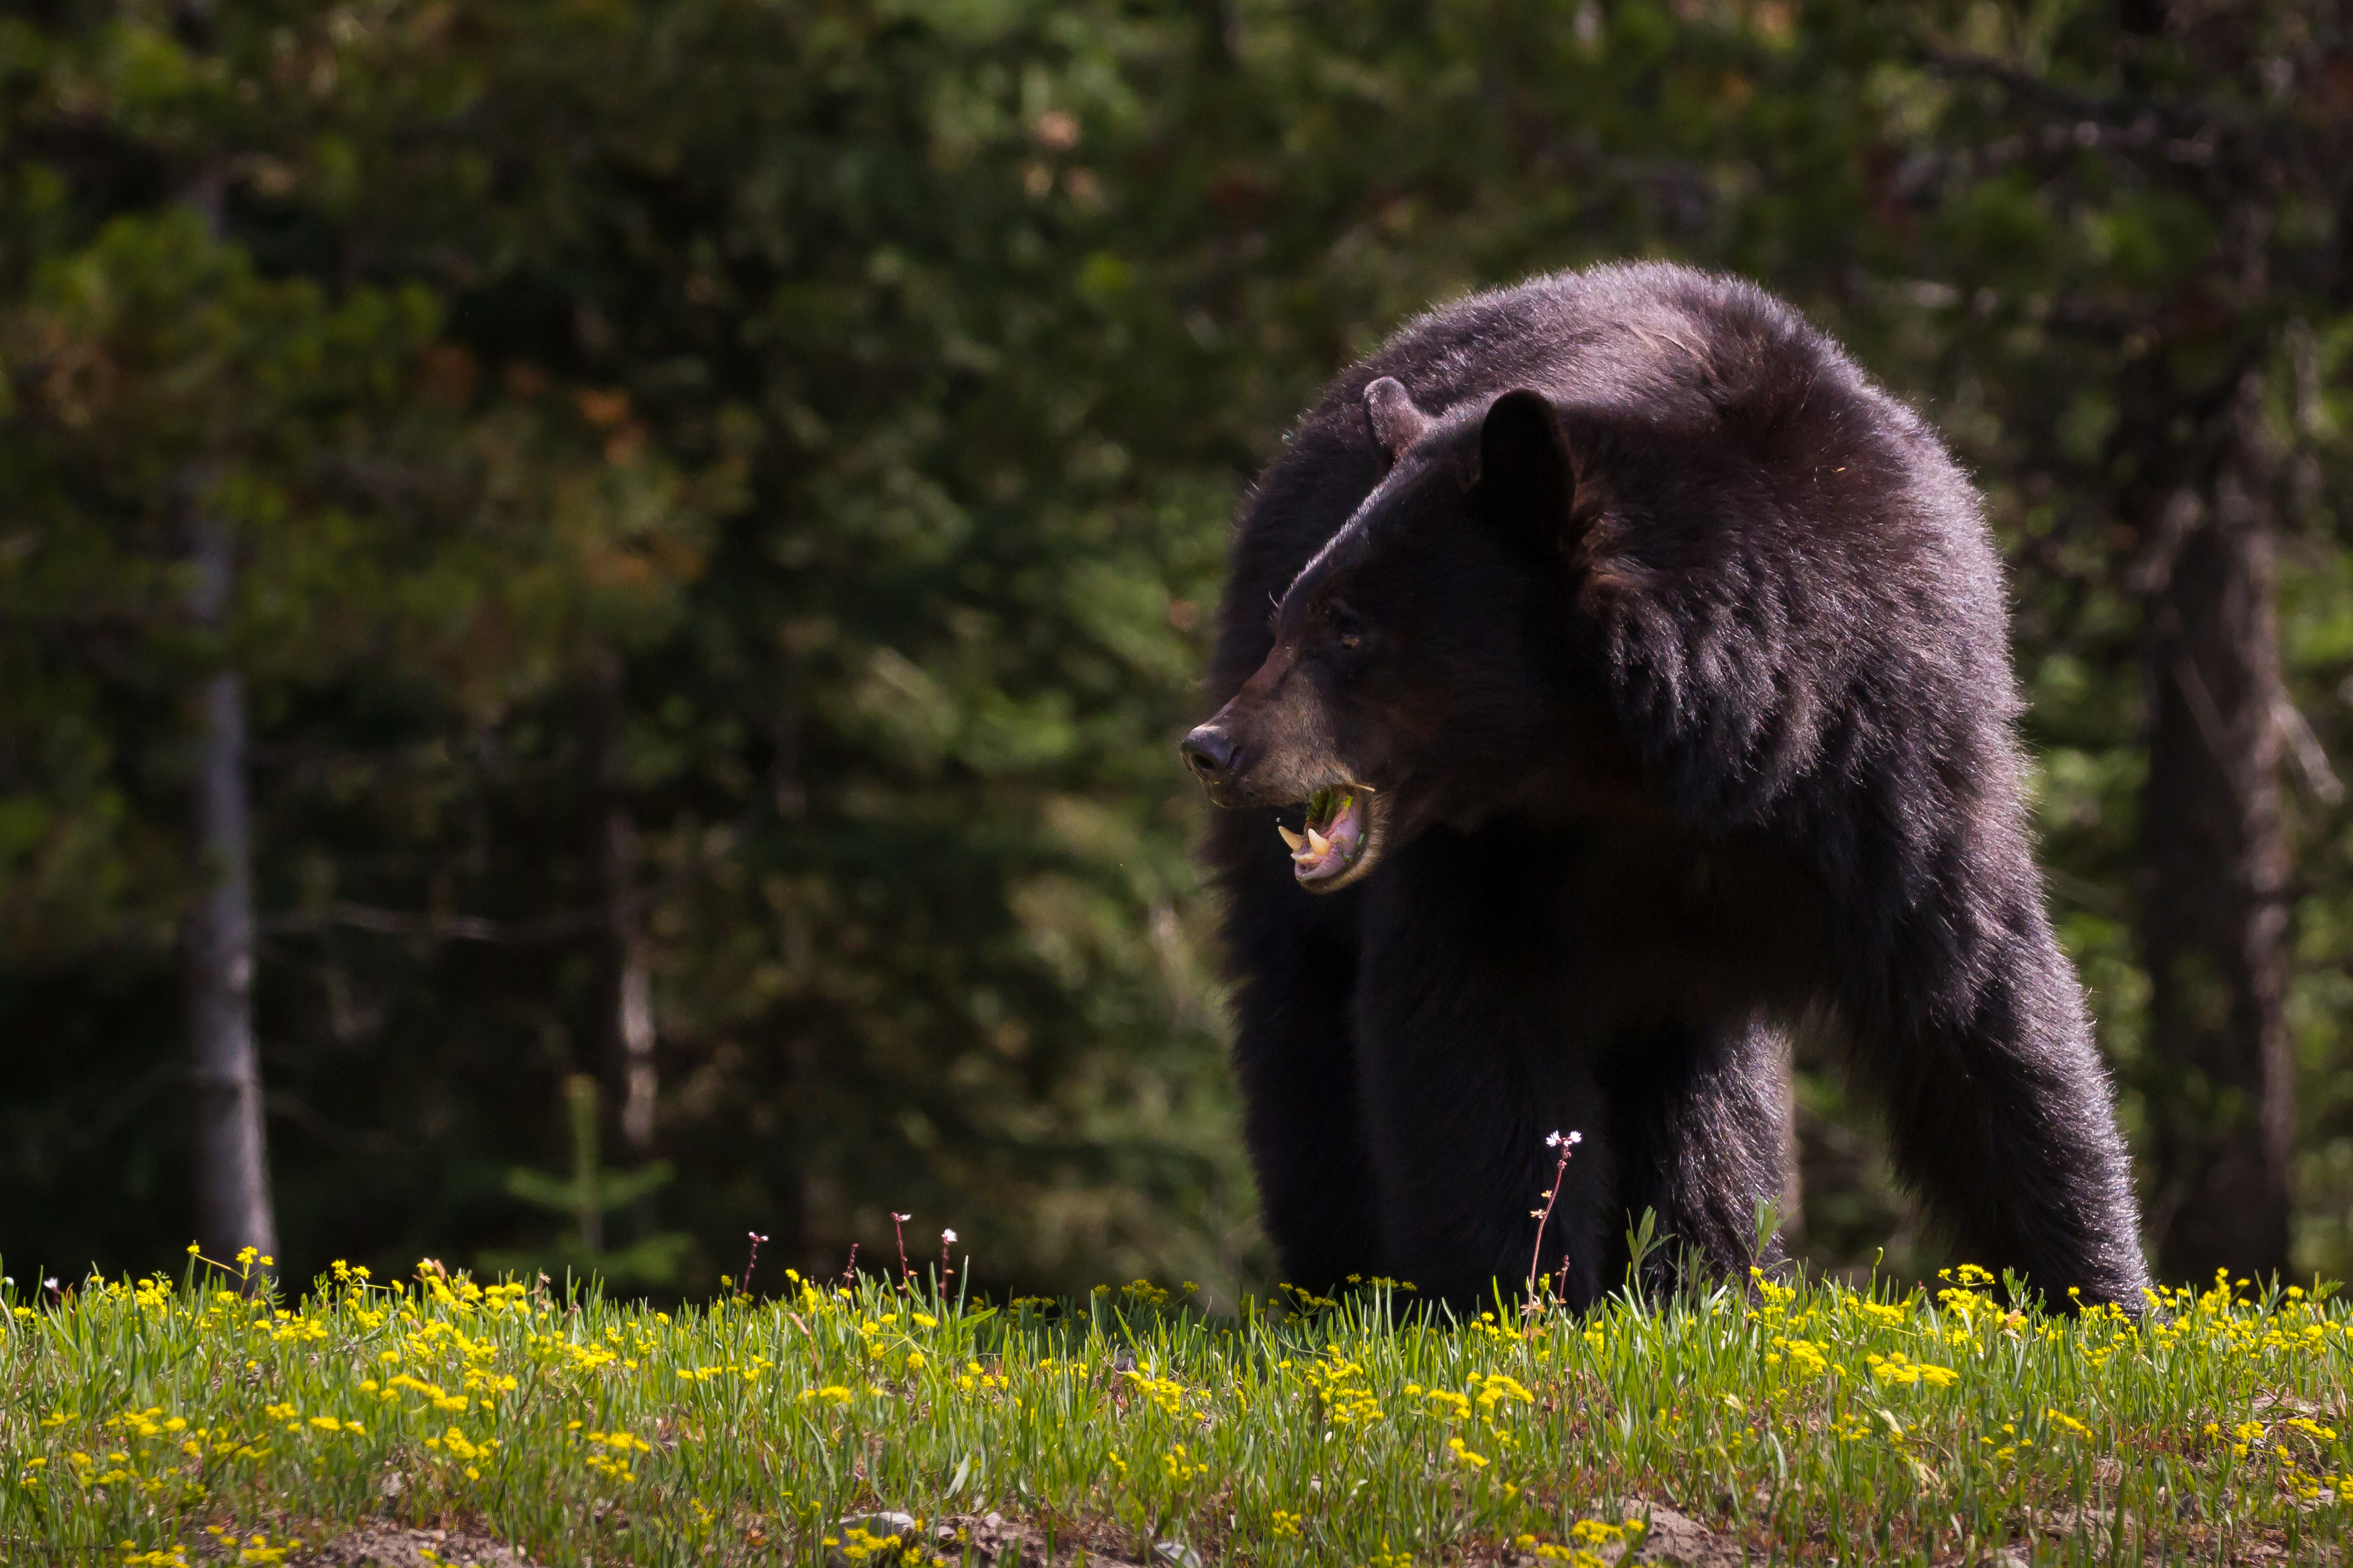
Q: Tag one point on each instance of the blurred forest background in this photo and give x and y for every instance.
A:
(595, 596)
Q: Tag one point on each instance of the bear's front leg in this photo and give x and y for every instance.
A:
(1701, 1117)
(1294, 958)
(1470, 1056)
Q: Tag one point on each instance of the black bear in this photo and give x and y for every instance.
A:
(1636, 685)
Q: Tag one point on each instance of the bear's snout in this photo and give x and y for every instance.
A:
(1209, 752)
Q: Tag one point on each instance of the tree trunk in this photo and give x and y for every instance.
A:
(233, 1207)
(2213, 910)
(625, 1031)
(633, 1002)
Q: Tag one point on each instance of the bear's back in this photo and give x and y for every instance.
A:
(1744, 407)
(1653, 341)
(1780, 532)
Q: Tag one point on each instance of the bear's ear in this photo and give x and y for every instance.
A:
(1397, 423)
(1526, 479)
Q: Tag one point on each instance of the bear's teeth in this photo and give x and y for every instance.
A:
(1321, 845)
(1289, 837)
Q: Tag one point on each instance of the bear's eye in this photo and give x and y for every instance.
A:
(1346, 630)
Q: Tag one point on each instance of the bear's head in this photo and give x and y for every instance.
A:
(1419, 661)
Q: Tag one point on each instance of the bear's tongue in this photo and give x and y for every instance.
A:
(1336, 833)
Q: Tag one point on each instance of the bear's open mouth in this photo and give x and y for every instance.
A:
(1335, 835)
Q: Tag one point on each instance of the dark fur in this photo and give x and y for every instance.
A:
(1686, 687)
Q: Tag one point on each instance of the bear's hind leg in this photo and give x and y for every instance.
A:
(1999, 1109)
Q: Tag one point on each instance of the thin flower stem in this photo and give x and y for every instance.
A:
(1564, 1143)
(898, 1229)
(752, 1262)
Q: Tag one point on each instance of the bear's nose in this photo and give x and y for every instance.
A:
(1209, 752)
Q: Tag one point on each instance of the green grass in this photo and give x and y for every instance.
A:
(140, 1421)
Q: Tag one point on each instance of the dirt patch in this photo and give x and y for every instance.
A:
(1679, 1539)
(994, 1540)
(397, 1546)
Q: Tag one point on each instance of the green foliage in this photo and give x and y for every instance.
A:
(591, 1192)
(759, 370)
(1804, 1420)
(750, 481)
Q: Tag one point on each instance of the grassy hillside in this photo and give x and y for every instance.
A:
(154, 1423)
